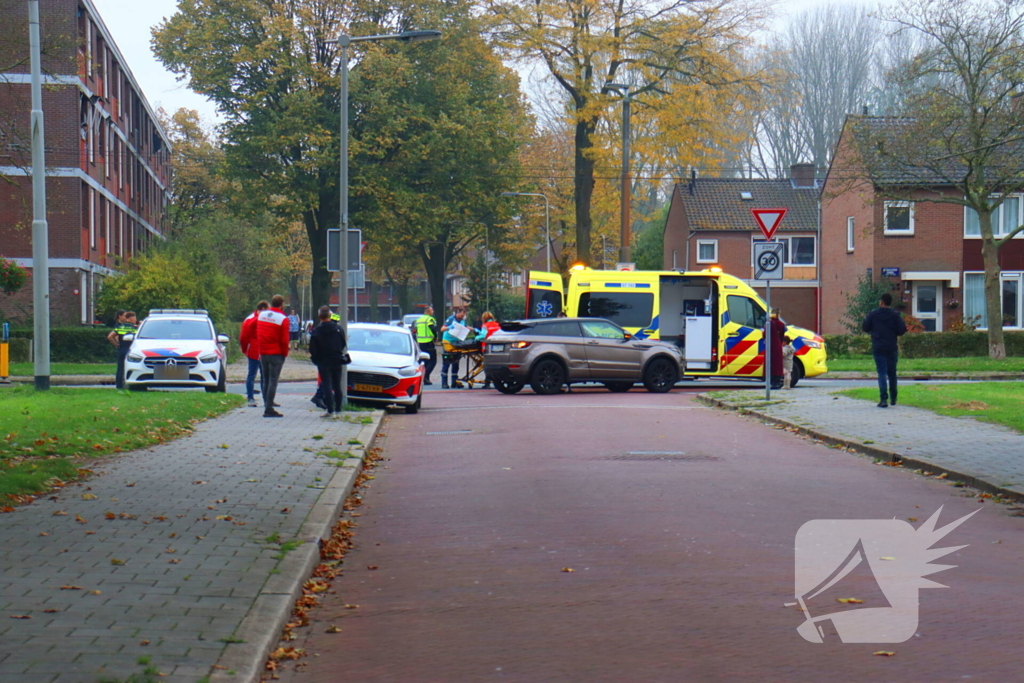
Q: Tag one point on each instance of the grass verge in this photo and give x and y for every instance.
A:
(28, 369)
(45, 437)
(919, 365)
(997, 402)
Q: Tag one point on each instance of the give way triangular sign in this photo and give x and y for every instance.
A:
(768, 220)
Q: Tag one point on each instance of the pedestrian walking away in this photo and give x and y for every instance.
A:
(124, 323)
(248, 343)
(327, 346)
(272, 341)
(425, 329)
(777, 334)
(885, 326)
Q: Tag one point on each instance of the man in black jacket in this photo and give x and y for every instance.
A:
(885, 325)
(327, 350)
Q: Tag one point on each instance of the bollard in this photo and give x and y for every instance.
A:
(5, 358)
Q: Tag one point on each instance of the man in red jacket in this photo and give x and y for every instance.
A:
(247, 342)
(272, 337)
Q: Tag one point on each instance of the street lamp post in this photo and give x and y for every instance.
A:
(40, 226)
(626, 182)
(547, 218)
(343, 41)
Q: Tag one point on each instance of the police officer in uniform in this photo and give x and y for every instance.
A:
(124, 323)
(425, 329)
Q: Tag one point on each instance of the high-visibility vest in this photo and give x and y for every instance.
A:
(424, 335)
(335, 317)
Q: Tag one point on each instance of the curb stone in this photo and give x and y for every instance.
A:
(886, 455)
(260, 630)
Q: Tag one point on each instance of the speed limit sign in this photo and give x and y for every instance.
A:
(768, 260)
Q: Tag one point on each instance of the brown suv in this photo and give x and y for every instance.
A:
(551, 353)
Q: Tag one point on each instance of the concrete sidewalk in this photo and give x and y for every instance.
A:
(980, 454)
(160, 557)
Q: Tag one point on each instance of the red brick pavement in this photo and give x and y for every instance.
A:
(681, 568)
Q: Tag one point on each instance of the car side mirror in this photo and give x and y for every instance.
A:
(128, 338)
(424, 355)
(223, 339)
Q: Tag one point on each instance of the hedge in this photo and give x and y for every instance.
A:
(90, 345)
(926, 344)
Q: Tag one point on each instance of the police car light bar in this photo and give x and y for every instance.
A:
(172, 311)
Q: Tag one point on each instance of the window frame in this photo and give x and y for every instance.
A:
(850, 234)
(714, 245)
(787, 253)
(898, 204)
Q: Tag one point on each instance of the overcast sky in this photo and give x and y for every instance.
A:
(131, 22)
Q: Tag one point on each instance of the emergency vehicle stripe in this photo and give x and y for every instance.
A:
(539, 283)
(631, 285)
(753, 366)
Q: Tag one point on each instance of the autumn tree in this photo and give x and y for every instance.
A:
(960, 139)
(659, 48)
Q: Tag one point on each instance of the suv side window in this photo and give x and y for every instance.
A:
(565, 328)
(601, 329)
(745, 311)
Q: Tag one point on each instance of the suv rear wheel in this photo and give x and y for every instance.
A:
(618, 387)
(547, 377)
(507, 386)
(660, 375)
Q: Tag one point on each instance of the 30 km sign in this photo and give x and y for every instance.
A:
(768, 220)
(768, 260)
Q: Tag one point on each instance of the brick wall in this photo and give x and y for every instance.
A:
(677, 229)
(798, 305)
(65, 299)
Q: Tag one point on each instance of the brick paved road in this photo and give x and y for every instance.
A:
(187, 577)
(681, 567)
(987, 451)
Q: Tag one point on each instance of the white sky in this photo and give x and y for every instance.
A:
(131, 22)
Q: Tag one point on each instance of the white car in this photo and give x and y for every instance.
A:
(387, 366)
(176, 348)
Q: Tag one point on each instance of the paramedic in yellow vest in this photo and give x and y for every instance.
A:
(425, 329)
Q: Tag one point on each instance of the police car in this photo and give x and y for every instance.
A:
(176, 348)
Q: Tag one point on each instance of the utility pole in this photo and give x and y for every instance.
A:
(40, 228)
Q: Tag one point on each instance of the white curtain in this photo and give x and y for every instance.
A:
(972, 226)
(974, 297)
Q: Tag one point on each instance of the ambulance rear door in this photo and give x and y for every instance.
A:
(545, 295)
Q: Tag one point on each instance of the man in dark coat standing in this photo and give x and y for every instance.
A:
(327, 350)
(885, 326)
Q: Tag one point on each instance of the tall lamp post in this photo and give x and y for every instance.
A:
(343, 41)
(627, 182)
(40, 227)
(547, 218)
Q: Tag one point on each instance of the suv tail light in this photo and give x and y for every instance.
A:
(519, 344)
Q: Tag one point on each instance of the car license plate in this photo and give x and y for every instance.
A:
(173, 372)
(372, 388)
(495, 348)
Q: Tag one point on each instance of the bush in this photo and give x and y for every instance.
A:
(12, 276)
(232, 330)
(926, 344)
(18, 350)
(863, 300)
(74, 344)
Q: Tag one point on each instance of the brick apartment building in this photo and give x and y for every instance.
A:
(929, 252)
(709, 224)
(107, 158)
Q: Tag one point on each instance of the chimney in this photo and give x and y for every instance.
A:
(693, 180)
(802, 175)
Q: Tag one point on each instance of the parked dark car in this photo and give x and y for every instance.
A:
(550, 353)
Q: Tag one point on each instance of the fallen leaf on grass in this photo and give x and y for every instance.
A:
(6, 508)
(884, 653)
(332, 629)
(143, 642)
(850, 601)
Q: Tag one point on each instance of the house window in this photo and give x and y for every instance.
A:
(849, 234)
(899, 218)
(796, 251)
(1005, 218)
(92, 218)
(1011, 304)
(707, 251)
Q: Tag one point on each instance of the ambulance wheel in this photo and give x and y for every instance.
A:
(547, 377)
(507, 386)
(660, 375)
(618, 387)
(415, 407)
(797, 374)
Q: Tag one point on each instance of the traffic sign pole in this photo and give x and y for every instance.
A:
(768, 266)
(768, 342)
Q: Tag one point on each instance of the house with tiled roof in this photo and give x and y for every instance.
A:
(888, 230)
(710, 225)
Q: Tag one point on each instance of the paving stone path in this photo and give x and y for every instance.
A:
(988, 452)
(158, 557)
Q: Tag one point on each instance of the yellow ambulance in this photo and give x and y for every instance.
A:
(716, 319)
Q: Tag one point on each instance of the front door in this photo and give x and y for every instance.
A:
(609, 354)
(927, 305)
(741, 340)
